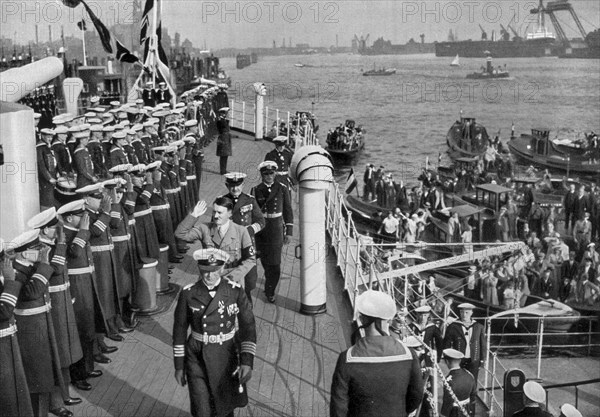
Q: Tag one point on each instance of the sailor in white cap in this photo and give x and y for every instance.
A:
(163, 95)
(224, 148)
(47, 168)
(382, 369)
(149, 94)
(117, 151)
(273, 199)
(62, 152)
(216, 360)
(468, 337)
(427, 330)
(534, 398)
(567, 410)
(462, 384)
(283, 158)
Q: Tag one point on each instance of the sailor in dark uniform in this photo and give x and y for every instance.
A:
(378, 375)
(224, 149)
(428, 332)
(47, 169)
(534, 396)
(148, 95)
(61, 152)
(247, 213)
(462, 384)
(273, 197)
(217, 358)
(162, 95)
(567, 410)
(282, 157)
(468, 337)
(117, 153)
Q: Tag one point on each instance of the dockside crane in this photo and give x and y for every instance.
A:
(483, 33)
(562, 5)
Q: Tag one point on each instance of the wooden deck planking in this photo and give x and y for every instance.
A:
(295, 353)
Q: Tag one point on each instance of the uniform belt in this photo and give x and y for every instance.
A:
(161, 207)
(463, 402)
(282, 172)
(190, 177)
(59, 288)
(123, 238)
(32, 311)
(142, 213)
(273, 215)
(183, 183)
(9, 331)
(131, 222)
(81, 271)
(103, 248)
(213, 338)
(173, 190)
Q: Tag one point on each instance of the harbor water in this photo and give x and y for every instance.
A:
(407, 115)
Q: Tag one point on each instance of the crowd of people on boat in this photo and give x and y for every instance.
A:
(345, 137)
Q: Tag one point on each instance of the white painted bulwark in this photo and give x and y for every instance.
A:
(19, 188)
(16, 83)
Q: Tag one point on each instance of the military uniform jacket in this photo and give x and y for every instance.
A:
(455, 339)
(431, 336)
(63, 157)
(532, 412)
(140, 151)
(282, 159)
(147, 239)
(63, 316)
(378, 376)
(131, 155)
(98, 160)
(236, 242)
(117, 156)
(46, 164)
(274, 201)
(208, 316)
(83, 167)
(14, 393)
(247, 213)
(463, 385)
(36, 330)
(224, 140)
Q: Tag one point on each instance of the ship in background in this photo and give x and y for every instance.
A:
(385, 47)
(540, 42)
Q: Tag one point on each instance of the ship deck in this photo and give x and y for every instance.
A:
(296, 354)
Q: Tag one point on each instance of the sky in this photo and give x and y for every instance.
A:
(242, 24)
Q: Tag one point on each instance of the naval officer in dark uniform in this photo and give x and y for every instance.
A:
(378, 375)
(282, 157)
(534, 396)
(462, 384)
(246, 212)
(273, 197)
(218, 356)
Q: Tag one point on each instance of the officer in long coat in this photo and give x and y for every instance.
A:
(191, 171)
(468, 337)
(462, 384)
(378, 375)
(14, 392)
(96, 150)
(221, 233)
(82, 160)
(47, 168)
(86, 306)
(217, 358)
(246, 212)
(37, 340)
(63, 316)
(273, 198)
(282, 157)
(196, 153)
(224, 149)
(143, 186)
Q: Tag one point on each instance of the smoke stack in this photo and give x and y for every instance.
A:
(50, 33)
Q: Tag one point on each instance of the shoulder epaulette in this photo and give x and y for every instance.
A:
(233, 283)
(187, 287)
(249, 195)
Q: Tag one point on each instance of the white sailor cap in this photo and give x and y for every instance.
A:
(94, 99)
(191, 123)
(90, 190)
(423, 309)
(148, 108)
(279, 139)
(534, 391)
(161, 113)
(223, 86)
(178, 144)
(137, 169)
(47, 131)
(114, 182)
(178, 110)
(61, 130)
(119, 135)
(189, 139)
(466, 306)
(98, 109)
(160, 149)
(74, 129)
(137, 127)
(94, 120)
(153, 165)
(139, 101)
(74, 207)
(267, 166)
(224, 109)
(413, 342)
(376, 304)
(90, 114)
(46, 218)
(25, 240)
(115, 103)
(472, 268)
(179, 105)
(453, 354)
(120, 168)
(37, 115)
(234, 178)
(96, 128)
(108, 129)
(567, 410)
(210, 259)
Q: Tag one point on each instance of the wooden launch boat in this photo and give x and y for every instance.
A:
(537, 149)
(467, 138)
(380, 72)
(346, 142)
(558, 317)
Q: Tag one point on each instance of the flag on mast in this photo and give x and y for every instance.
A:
(351, 182)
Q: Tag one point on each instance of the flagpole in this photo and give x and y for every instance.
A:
(153, 42)
(83, 39)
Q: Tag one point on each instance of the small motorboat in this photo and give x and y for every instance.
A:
(489, 72)
(558, 317)
(345, 142)
(467, 138)
(379, 72)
